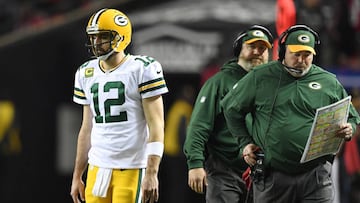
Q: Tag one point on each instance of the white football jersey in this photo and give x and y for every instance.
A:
(119, 133)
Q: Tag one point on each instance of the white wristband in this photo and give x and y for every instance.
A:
(155, 148)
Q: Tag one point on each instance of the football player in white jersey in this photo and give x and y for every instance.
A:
(122, 131)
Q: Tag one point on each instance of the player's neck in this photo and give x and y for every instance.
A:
(113, 61)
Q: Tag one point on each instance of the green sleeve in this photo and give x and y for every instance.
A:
(236, 105)
(353, 118)
(201, 124)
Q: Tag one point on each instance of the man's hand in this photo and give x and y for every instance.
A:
(345, 131)
(150, 188)
(77, 189)
(197, 180)
(249, 154)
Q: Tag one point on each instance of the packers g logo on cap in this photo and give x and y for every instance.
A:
(258, 33)
(304, 38)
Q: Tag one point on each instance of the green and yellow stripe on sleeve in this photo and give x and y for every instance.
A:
(152, 85)
(79, 93)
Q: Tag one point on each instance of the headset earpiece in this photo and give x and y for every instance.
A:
(283, 36)
(238, 41)
(238, 44)
(281, 46)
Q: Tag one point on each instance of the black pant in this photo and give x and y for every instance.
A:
(314, 186)
(225, 184)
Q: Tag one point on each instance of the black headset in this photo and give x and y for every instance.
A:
(283, 37)
(238, 41)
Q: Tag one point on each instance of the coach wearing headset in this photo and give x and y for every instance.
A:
(283, 101)
(213, 155)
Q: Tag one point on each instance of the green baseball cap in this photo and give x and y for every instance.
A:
(256, 35)
(301, 40)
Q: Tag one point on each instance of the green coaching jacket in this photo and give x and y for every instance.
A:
(283, 109)
(207, 132)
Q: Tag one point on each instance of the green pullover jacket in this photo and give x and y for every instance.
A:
(207, 133)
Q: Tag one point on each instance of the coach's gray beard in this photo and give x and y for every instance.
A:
(296, 72)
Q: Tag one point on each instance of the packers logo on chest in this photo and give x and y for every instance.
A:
(315, 85)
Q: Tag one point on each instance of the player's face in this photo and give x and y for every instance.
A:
(101, 43)
(254, 54)
(301, 61)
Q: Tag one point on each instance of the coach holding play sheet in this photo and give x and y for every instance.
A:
(283, 100)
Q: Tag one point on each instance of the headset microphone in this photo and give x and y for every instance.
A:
(294, 70)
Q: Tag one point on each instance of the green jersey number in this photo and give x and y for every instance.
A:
(122, 116)
(145, 59)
